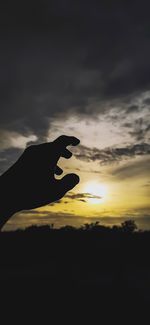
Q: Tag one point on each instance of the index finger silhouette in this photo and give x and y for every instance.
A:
(63, 141)
(57, 148)
(60, 145)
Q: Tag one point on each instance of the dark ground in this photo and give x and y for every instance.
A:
(97, 272)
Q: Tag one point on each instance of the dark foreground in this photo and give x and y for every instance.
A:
(95, 272)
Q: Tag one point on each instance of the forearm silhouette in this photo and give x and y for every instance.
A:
(31, 183)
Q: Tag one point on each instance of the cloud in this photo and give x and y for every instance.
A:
(8, 157)
(147, 185)
(132, 109)
(87, 171)
(146, 101)
(110, 155)
(139, 128)
(56, 58)
(82, 196)
(24, 219)
(132, 169)
(35, 217)
(14, 140)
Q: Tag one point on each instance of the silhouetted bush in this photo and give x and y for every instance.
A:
(129, 226)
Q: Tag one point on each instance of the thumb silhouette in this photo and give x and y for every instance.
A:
(67, 183)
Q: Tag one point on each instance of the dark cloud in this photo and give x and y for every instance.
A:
(81, 196)
(132, 109)
(110, 155)
(8, 157)
(56, 56)
(146, 101)
(140, 133)
(139, 129)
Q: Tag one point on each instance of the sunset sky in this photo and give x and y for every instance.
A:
(80, 68)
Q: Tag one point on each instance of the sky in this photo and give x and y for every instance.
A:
(80, 68)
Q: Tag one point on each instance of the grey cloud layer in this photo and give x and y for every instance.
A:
(104, 157)
(8, 157)
(139, 129)
(109, 155)
(56, 56)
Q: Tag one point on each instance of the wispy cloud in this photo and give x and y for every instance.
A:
(147, 185)
(131, 170)
(82, 196)
(109, 155)
(59, 219)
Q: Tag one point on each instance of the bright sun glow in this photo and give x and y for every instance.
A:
(96, 191)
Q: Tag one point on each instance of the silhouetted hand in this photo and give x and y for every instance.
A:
(30, 182)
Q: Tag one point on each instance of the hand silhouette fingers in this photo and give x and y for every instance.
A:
(50, 152)
(58, 170)
(66, 154)
(59, 147)
(63, 141)
(67, 183)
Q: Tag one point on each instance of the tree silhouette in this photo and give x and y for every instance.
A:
(129, 226)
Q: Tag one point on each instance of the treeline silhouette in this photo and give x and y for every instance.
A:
(107, 265)
(92, 253)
